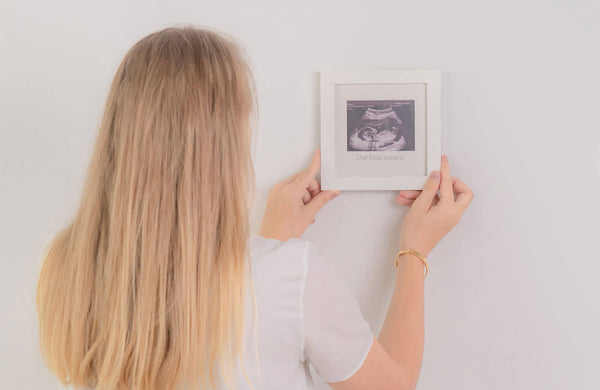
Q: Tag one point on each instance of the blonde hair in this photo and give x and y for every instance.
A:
(144, 289)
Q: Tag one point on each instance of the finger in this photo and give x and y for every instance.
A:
(410, 194)
(314, 187)
(320, 200)
(306, 196)
(446, 193)
(463, 194)
(429, 191)
(404, 201)
(306, 176)
(409, 202)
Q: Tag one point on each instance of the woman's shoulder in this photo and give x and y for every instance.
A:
(283, 267)
(295, 255)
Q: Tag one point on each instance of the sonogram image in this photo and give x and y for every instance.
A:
(381, 125)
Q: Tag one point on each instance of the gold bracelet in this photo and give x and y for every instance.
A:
(414, 252)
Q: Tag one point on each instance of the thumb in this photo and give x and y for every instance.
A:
(318, 201)
(430, 189)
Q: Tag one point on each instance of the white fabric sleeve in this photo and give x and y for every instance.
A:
(336, 337)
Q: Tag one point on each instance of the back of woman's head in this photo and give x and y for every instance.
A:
(144, 288)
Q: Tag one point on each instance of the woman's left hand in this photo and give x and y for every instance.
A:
(293, 203)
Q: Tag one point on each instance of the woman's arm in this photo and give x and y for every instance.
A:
(403, 330)
(394, 360)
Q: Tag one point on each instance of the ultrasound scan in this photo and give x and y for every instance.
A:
(381, 125)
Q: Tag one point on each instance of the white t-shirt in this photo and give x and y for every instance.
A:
(305, 315)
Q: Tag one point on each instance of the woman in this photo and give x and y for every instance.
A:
(157, 283)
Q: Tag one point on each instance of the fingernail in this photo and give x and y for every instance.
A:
(435, 174)
(336, 193)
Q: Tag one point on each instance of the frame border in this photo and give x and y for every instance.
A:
(329, 78)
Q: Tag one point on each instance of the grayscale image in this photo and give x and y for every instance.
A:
(381, 125)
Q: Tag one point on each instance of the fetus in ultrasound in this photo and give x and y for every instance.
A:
(379, 128)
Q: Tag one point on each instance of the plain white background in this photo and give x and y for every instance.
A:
(512, 297)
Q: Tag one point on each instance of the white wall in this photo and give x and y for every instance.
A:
(512, 297)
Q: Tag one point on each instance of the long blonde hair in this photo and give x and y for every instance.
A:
(144, 289)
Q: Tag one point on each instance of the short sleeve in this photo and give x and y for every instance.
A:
(336, 337)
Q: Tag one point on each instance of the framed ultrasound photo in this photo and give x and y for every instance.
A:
(380, 129)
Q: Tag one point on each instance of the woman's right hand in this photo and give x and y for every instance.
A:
(293, 203)
(431, 216)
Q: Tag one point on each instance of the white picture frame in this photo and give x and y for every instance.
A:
(395, 144)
